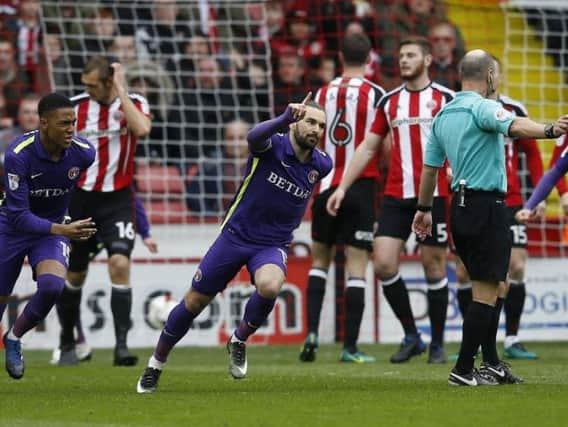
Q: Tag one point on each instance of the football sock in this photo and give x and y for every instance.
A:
(354, 306)
(437, 308)
(178, 323)
(120, 305)
(514, 304)
(79, 329)
(317, 279)
(475, 329)
(49, 287)
(464, 296)
(68, 306)
(397, 296)
(2, 310)
(256, 311)
(489, 345)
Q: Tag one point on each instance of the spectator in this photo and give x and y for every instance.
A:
(402, 19)
(324, 73)
(289, 81)
(298, 36)
(208, 108)
(123, 49)
(160, 40)
(53, 54)
(445, 65)
(28, 120)
(14, 83)
(27, 35)
(373, 67)
(151, 81)
(102, 28)
(213, 183)
(331, 18)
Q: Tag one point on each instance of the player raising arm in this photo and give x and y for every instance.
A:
(41, 172)
(282, 170)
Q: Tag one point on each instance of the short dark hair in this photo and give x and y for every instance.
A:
(101, 64)
(421, 42)
(355, 49)
(475, 67)
(53, 101)
(315, 105)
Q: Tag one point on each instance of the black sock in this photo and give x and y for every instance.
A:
(476, 326)
(464, 296)
(438, 310)
(489, 346)
(397, 296)
(317, 280)
(354, 306)
(68, 306)
(514, 304)
(120, 305)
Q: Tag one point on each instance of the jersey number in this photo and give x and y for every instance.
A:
(441, 233)
(125, 230)
(519, 234)
(340, 133)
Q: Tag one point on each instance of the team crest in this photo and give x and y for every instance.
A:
(13, 181)
(73, 172)
(198, 275)
(313, 176)
(431, 105)
(118, 115)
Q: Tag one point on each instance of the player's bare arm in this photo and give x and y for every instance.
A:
(363, 154)
(137, 121)
(523, 127)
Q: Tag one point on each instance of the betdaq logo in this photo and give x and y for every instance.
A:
(288, 186)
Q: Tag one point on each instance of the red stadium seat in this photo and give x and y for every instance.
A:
(159, 180)
(166, 212)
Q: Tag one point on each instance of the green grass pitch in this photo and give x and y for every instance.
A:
(196, 390)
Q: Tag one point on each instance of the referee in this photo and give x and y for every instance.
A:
(469, 133)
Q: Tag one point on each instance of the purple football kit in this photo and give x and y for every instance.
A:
(38, 192)
(268, 207)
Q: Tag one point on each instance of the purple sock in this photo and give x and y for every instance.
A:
(49, 287)
(178, 323)
(256, 311)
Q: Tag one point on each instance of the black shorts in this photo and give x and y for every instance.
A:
(481, 235)
(397, 215)
(518, 231)
(114, 216)
(355, 220)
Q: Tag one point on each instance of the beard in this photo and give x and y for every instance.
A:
(411, 75)
(302, 140)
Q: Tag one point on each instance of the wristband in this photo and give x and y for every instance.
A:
(549, 131)
(423, 208)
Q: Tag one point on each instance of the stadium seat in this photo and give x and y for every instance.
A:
(159, 180)
(166, 212)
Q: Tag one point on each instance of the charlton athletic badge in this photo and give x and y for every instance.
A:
(73, 172)
(13, 181)
(313, 176)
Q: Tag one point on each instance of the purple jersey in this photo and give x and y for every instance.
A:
(272, 198)
(38, 189)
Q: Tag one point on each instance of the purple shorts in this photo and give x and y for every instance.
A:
(15, 246)
(227, 255)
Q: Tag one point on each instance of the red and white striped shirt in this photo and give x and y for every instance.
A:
(28, 46)
(512, 146)
(409, 115)
(106, 128)
(350, 105)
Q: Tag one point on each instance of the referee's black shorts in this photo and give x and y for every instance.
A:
(481, 234)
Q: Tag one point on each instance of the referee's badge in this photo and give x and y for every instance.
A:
(501, 114)
(73, 172)
(13, 181)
